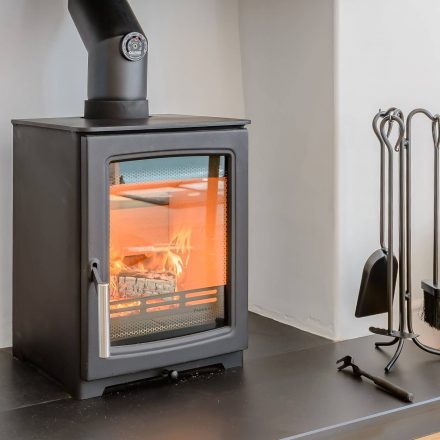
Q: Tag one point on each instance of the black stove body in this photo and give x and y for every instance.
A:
(130, 247)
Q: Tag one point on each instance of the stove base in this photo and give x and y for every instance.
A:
(96, 388)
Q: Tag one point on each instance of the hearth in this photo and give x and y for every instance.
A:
(130, 230)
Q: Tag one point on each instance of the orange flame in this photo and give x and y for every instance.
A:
(178, 253)
(169, 258)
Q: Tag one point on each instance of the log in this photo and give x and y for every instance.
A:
(135, 285)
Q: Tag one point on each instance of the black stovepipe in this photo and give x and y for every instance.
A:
(117, 83)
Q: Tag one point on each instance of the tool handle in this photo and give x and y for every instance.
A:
(393, 389)
(436, 139)
(376, 127)
(390, 260)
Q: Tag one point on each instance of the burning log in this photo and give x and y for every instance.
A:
(135, 285)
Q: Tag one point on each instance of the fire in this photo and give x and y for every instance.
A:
(177, 255)
(162, 260)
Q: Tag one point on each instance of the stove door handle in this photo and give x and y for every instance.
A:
(102, 289)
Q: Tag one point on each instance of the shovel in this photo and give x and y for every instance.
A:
(373, 296)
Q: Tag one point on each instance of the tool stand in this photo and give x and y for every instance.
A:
(382, 124)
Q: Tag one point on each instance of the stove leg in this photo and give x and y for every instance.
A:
(232, 360)
(88, 390)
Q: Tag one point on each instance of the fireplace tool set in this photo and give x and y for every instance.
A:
(378, 283)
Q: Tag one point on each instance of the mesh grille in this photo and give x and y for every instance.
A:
(144, 324)
(164, 169)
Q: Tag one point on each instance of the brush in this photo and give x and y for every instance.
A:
(431, 289)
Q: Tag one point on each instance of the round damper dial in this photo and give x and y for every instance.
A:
(134, 46)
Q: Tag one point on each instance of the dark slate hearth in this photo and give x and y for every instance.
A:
(412, 423)
(21, 385)
(289, 386)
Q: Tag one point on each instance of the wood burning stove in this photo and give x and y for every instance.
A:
(130, 230)
(130, 247)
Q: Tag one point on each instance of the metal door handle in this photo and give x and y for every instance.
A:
(102, 289)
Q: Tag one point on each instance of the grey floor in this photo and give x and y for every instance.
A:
(288, 387)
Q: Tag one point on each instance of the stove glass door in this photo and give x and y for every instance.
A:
(168, 247)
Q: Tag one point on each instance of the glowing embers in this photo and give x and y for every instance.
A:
(203, 294)
(200, 301)
(124, 305)
(162, 308)
(200, 293)
(165, 302)
(127, 308)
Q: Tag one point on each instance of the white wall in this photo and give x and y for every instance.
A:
(287, 53)
(194, 68)
(43, 76)
(387, 54)
(315, 73)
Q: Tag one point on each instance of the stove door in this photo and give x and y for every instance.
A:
(168, 247)
(162, 235)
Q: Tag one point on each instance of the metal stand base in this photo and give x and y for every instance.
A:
(393, 333)
(387, 344)
(396, 354)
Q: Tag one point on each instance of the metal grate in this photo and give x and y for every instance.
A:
(183, 310)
